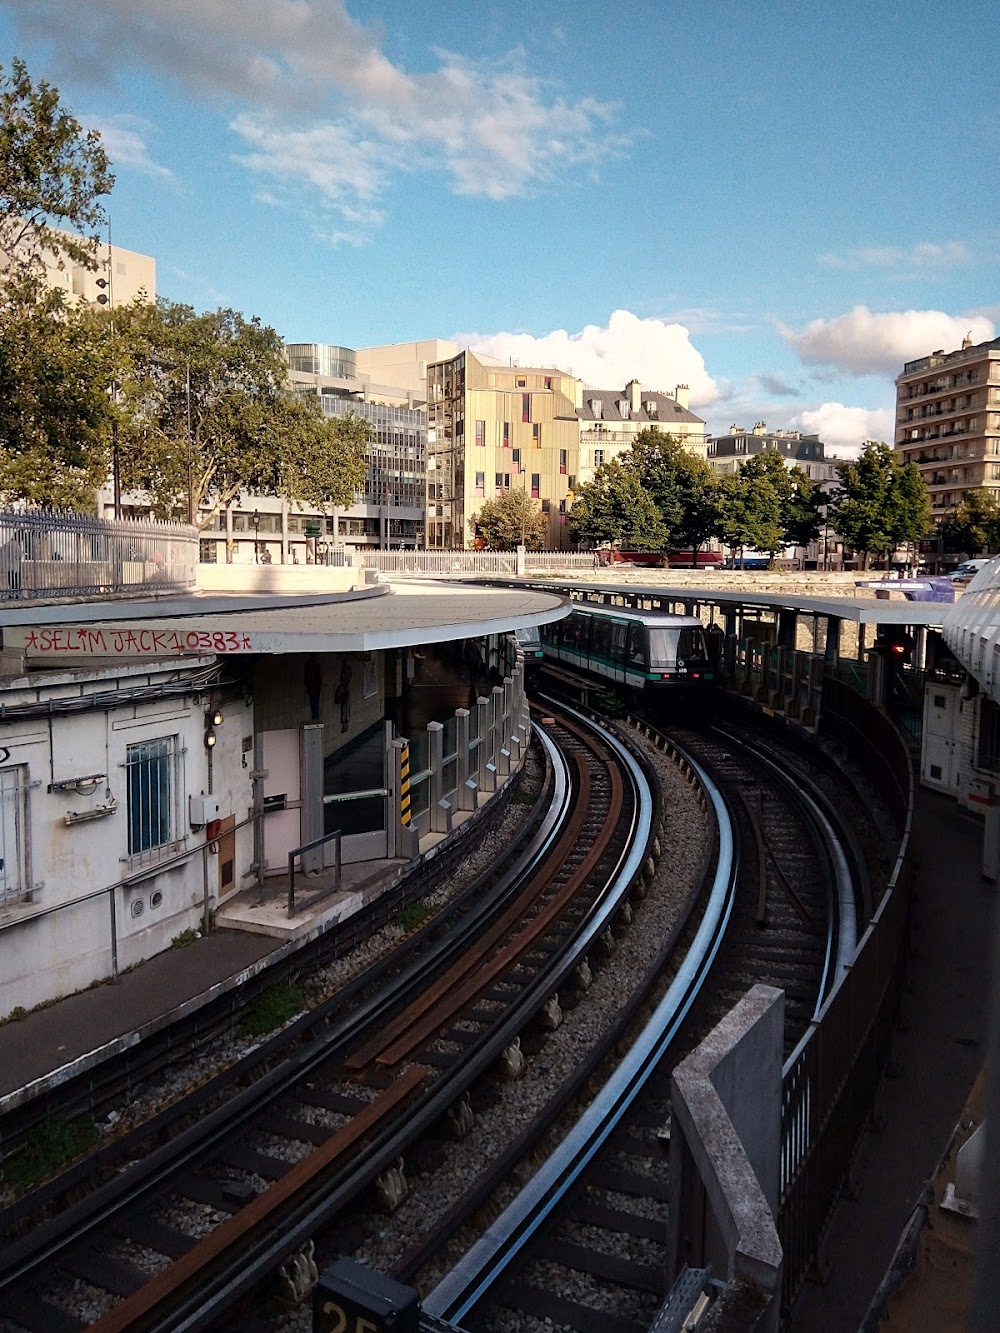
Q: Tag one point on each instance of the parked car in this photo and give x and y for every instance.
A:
(967, 571)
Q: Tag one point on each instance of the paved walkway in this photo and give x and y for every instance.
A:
(72, 1033)
(937, 1057)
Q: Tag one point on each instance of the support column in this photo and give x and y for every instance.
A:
(787, 621)
(831, 652)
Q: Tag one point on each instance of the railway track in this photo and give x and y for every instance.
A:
(174, 1240)
(582, 1247)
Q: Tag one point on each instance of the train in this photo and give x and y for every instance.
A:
(647, 652)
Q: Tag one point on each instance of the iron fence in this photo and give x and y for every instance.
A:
(47, 554)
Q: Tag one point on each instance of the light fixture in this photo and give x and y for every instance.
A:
(211, 740)
(217, 718)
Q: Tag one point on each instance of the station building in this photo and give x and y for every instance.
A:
(161, 761)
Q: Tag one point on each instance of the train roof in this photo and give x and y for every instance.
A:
(654, 619)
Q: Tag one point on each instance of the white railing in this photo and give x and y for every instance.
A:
(469, 562)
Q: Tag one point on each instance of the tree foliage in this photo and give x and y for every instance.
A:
(973, 527)
(754, 503)
(508, 520)
(682, 486)
(51, 172)
(615, 507)
(201, 403)
(880, 501)
(54, 404)
(804, 506)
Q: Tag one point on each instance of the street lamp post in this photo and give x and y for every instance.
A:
(255, 520)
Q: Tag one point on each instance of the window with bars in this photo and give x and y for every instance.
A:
(13, 832)
(151, 784)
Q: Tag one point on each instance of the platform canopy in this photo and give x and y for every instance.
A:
(870, 610)
(380, 617)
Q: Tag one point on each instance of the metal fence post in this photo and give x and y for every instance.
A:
(435, 761)
(487, 768)
(466, 795)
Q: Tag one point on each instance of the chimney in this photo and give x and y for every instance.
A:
(633, 391)
(681, 395)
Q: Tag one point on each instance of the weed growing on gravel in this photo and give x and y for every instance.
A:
(272, 1009)
(48, 1147)
(411, 916)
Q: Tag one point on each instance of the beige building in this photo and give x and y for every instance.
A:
(120, 277)
(610, 419)
(496, 428)
(948, 421)
(404, 364)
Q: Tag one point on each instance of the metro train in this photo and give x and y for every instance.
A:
(646, 651)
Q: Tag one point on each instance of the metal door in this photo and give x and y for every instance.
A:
(939, 753)
(13, 785)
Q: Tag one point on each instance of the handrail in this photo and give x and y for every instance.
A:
(311, 847)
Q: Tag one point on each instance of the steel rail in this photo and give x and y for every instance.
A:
(487, 1259)
(20, 1257)
(842, 919)
(260, 1255)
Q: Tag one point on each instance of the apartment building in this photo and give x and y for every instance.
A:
(727, 453)
(948, 421)
(493, 428)
(610, 419)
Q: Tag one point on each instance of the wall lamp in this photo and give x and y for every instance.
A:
(213, 719)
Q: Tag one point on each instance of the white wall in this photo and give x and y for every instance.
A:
(46, 953)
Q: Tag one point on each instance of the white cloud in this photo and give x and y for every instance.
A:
(925, 254)
(658, 354)
(306, 70)
(124, 139)
(844, 429)
(865, 343)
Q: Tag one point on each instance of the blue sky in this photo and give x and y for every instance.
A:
(775, 201)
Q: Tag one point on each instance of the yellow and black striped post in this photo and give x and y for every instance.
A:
(404, 784)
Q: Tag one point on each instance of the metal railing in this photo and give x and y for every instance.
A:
(46, 554)
(831, 1079)
(302, 853)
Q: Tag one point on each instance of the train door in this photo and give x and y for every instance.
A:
(940, 748)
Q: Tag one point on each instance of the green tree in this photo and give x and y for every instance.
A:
(508, 521)
(880, 502)
(54, 405)
(54, 375)
(203, 414)
(753, 504)
(973, 527)
(53, 175)
(803, 513)
(615, 507)
(683, 487)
